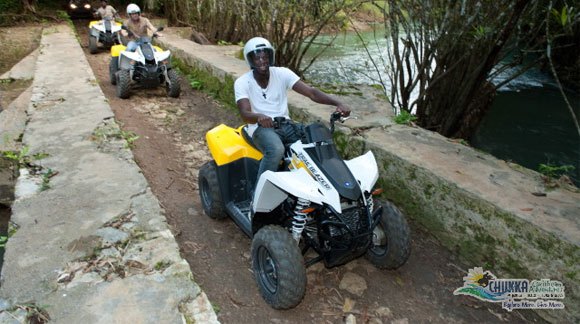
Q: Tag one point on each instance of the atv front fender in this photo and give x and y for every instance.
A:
(160, 56)
(364, 169)
(274, 187)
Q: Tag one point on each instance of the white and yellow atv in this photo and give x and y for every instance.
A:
(316, 200)
(147, 67)
(107, 32)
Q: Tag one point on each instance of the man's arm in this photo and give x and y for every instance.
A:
(152, 28)
(251, 117)
(320, 97)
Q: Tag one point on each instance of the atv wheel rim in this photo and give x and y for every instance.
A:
(267, 271)
(379, 246)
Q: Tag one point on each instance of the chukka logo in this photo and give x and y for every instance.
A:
(512, 293)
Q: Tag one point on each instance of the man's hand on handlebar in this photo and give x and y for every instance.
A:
(265, 121)
(343, 110)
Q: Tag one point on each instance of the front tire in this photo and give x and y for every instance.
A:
(123, 84)
(209, 191)
(93, 45)
(113, 68)
(391, 246)
(278, 267)
(172, 86)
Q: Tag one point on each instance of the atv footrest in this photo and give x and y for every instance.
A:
(244, 206)
(240, 213)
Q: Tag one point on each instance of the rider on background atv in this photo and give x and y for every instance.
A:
(261, 95)
(106, 11)
(137, 27)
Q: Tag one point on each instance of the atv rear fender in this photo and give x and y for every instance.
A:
(227, 145)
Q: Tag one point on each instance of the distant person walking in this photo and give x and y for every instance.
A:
(106, 11)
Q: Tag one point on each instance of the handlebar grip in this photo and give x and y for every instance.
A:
(278, 121)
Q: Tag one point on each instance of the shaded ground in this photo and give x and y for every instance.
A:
(16, 43)
(170, 149)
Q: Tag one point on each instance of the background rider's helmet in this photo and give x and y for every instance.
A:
(133, 8)
(257, 45)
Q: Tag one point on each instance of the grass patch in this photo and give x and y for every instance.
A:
(405, 118)
(203, 80)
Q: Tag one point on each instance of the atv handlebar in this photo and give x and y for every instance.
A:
(334, 117)
(131, 34)
(337, 116)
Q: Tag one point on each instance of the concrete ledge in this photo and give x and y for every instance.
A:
(476, 205)
(92, 244)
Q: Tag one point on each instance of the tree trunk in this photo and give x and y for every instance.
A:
(464, 86)
(29, 6)
(476, 111)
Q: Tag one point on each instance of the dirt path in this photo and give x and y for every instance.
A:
(171, 148)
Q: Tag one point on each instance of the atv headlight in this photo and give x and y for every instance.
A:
(87, 6)
(73, 6)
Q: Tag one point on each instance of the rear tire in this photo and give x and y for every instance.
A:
(93, 45)
(278, 267)
(391, 239)
(173, 86)
(209, 191)
(123, 84)
(113, 68)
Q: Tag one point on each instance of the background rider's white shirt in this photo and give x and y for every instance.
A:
(272, 101)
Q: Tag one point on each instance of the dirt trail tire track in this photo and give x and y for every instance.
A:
(171, 149)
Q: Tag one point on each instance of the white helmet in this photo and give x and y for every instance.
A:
(133, 8)
(256, 45)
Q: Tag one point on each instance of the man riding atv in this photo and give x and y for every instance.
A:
(314, 200)
(261, 96)
(137, 27)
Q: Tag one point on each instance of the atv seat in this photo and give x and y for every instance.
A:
(247, 137)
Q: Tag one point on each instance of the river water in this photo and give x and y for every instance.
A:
(528, 123)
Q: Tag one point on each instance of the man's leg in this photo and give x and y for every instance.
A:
(270, 144)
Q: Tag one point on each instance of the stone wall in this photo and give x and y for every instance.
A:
(491, 213)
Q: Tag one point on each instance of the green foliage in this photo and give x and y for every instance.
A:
(63, 15)
(194, 82)
(221, 89)
(564, 17)
(553, 171)
(8, 8)
(480, 32)
(22, 158)
(113, 131)
(130, 137)
(40, 156)
(3, 241)
(405, 118)
(162, 265)
(46, 179)
(19, 157)
(292, 26)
